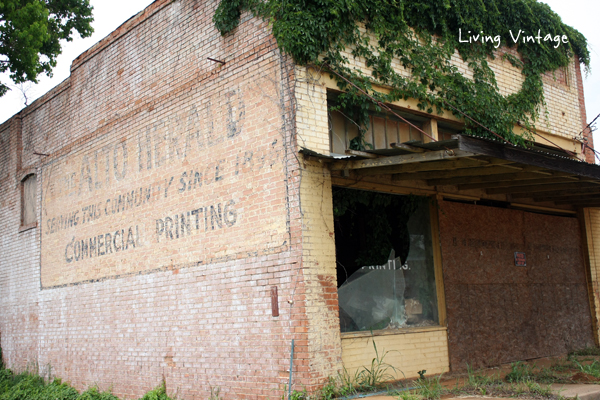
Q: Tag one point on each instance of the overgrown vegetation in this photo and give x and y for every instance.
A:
(30, 386)
(481, 384)
(422, 36)
(376, 376)
(524, 380)
(589, 351)
(574, 369)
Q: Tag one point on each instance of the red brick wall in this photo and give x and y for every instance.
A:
(19, 270)
(144, 111)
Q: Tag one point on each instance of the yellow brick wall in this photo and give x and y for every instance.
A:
(560, 116)
(407, 351)
(319, 270)
(311, 111)
(591, 218)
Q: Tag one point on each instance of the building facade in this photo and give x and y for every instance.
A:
(173, 212)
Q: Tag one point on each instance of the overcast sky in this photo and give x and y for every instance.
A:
(109, 14)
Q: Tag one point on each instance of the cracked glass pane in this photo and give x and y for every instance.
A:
(384, 292)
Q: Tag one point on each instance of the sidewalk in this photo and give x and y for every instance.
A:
(582, 391)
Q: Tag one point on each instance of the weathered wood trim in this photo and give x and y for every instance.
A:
(401, 159)
(542, 188)
(437, 258)
(515, 154)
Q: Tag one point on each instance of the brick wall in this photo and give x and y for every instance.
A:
(588, 138)
(560, 116)
(320, 271)
(590, 217)
(407, 351)
(168, 210)
(19, 269)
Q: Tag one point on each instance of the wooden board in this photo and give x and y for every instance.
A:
(498, 312)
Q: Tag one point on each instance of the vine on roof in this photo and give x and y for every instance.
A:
(422, 35)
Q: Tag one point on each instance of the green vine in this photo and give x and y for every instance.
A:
(422, 35)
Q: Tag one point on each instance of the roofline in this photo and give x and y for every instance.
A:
(118, 33)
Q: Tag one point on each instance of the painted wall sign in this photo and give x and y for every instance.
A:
(202, 183)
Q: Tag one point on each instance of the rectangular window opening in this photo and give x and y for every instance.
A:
(28, 201)
(385, 265)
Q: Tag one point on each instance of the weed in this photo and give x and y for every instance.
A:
(215, 393)
(517, 388)
(548, 375)
(329, 391)
(535, 388)
(520, 372)
(94, 394)
(591, 369)
(296, 395)
(589, 351)
(374, 376)
(29, 386)
(158, 393)
(347, 384)
(407, 395)
(478, 381)
(429, 388)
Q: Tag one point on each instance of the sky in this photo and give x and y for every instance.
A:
(110, 14)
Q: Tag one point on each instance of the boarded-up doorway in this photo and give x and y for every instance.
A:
(498, 309)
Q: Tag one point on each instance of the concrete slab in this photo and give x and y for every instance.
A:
(583, 391)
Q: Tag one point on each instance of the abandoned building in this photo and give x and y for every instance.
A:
(186, 204)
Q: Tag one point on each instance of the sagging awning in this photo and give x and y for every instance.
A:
(538, 173)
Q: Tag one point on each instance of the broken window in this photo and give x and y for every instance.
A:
(381, 131)
(385, 269)
(28, 200)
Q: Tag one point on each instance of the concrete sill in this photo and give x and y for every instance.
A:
(385, 332)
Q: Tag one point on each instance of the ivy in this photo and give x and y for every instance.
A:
(423, 35)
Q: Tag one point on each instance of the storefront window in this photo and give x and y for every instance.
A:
(385, 269)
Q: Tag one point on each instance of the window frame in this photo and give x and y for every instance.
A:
(31, 174)
(437, 258)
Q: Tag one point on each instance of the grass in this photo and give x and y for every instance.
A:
(429, 388)
(29, 386)
(522, 381)
(517, 383)
(590, 351)
(364, 380)
(590, 369)
(520, 372)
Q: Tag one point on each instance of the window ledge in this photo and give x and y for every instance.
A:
(24, 228)
(385, 332)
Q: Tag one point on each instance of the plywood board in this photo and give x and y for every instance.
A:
(498, 312)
